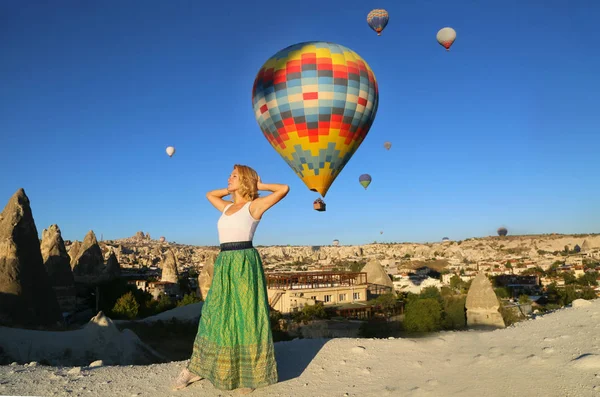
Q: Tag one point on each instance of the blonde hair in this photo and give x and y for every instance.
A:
(248, 182)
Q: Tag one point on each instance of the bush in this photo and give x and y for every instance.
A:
(188, 299)
(164, 303)
(510, 315)
(310, 312)
(126, 307)
(423, 315)
(455, 316)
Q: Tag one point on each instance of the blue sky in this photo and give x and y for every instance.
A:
(501, 130)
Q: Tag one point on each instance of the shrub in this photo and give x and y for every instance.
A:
(423, 315)
(126, 307)
(454, 312)
(188, 299)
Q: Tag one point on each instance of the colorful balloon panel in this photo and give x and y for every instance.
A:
(315, 103)
(378, 20)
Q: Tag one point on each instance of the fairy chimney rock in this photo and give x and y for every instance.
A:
(585, 246)
(169, 268)
(26, 296)
(206, 275)
(58, 265)
(376, 274)
(73, 251)
(482, 304)
(89, 260)
(113, 269)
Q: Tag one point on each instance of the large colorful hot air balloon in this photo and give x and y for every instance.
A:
(315, 103)
(446, 37)
(387, 145)
(378, 20)
(170, 151)
(365, 180)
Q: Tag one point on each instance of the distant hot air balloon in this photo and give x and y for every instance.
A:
(381, 232)
(502, 231)
(315, 103)
(365, 180)
(378, 20)
(445, 239)
(336, 242)
(170, 151)
(162, 239)
(387, 145)
(446, 37)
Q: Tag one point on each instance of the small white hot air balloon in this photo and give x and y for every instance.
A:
(170, 151)
(446, 37)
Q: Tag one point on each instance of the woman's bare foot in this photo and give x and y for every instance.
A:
(244, 390)
(185, 379)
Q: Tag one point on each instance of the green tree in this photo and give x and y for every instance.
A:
(568, 294)
(431, 292)
(588, 279)
(126, 307)
(569, 278)
(164, 303)
(454, 316)
(456, 283)
(188, 299)
(588, 293)
(502, 292)
(524, 299)
(423, 315)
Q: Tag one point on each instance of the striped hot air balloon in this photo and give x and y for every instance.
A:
(378, 20)
(315, 103)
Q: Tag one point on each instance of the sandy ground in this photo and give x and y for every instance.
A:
(554, 355)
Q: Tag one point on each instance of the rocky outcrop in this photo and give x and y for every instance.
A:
(585, 246)
(113, 269)
(57, 263)
(88, 265)
(206, 275)
(376, 274)
(169, 268)
(482, 305)
(26, 296)
(100, 339)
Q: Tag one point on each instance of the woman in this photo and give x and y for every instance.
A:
(234, 345)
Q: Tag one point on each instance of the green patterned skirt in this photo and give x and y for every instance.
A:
(234, 345)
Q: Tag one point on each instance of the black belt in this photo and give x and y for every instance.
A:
(236, 245)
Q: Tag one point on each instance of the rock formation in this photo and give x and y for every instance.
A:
(206, 275)
(89, 262)
(100, 339)
(376, 274)
(113, 269)
(26, 296)
(482, 304)
(585, 246)
(73, 251)
(169, 268)
(57, 263)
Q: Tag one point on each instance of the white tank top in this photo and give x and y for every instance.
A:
(237, 227)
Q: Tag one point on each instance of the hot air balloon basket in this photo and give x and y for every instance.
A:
(319, 205)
